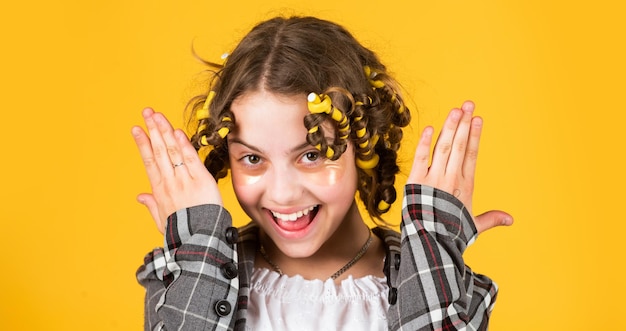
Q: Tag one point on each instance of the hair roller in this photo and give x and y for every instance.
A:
(315, 135)
(204, 141)
(224, 130)
(371, 75)
(368, 164)
(383, 206)
(318, 105)
(203, 113)
(322, 105)
(330, 152)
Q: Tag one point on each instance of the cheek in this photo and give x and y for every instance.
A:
(244, 186)
(245, 177)
(248, 198)
(330, 173)
(337, 182)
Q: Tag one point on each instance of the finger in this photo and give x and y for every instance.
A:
(421, 158)
(148, 200)
(171, 143)
(145, 150)
(443, 146)
(471, 155)
(159, 149)
(492, 219)
(461, 136)
(189, 154)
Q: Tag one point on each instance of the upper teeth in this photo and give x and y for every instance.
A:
(292, 216)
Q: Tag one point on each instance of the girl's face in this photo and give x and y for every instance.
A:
(298, 197)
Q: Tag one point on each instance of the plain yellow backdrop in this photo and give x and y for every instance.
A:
(547, 77)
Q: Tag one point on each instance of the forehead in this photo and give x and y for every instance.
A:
(264, 106)
(264, 118)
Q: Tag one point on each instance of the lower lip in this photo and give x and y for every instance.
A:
(293, 230)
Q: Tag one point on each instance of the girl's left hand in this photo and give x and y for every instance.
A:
(453, 163)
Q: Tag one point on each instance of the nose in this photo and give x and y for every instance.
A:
(284, 186)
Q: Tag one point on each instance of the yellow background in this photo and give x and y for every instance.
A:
(547, 77)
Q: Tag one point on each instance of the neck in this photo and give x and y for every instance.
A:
(340, 248)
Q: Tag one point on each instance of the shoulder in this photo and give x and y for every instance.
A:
(390, 237)
(247, 245)
(392, 241)
(248, 232)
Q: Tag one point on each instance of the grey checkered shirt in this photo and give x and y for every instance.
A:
(200, 279)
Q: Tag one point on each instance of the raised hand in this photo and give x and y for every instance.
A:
(177, 176)
(453, 163)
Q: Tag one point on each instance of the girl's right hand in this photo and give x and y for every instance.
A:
(177, 176)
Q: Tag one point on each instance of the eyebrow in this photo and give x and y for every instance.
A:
(256, 149)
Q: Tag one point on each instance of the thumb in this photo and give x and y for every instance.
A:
(492, 219)
(148, 200)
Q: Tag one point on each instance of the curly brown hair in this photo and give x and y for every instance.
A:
(300, 55)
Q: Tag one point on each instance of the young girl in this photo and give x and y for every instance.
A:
(304, 117)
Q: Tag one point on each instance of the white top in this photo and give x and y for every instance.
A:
(294, 303)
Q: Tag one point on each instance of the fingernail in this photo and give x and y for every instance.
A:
(477, 122)
(146, 112)
(455, 115)
(468, 106)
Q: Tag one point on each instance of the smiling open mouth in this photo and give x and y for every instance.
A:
(295, 221)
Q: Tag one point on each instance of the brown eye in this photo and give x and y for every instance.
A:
(252, 159)
(311, 156)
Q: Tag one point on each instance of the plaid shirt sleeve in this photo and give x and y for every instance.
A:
(435, 289)
(191, 283)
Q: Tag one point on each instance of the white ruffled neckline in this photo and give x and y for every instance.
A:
(281, 302)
